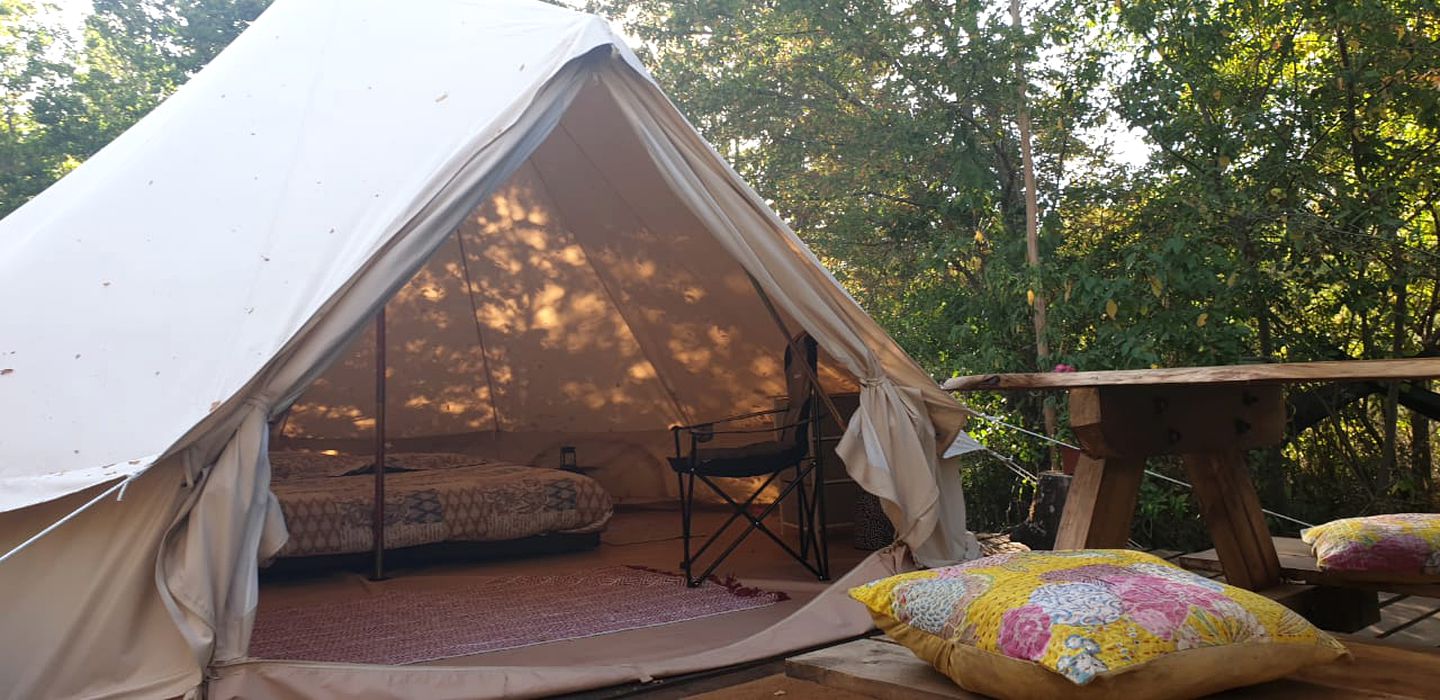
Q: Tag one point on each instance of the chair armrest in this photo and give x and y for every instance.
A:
(729, 419)
(773, 429)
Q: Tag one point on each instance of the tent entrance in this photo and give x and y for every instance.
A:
(580, 309)
(582, 306)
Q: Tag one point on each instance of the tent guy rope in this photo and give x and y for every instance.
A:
(1149, 472)
(117, 486)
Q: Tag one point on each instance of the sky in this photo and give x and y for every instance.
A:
(73, 11)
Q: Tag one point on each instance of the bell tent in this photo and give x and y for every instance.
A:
(563, 261)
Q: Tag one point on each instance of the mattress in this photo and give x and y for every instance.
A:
(328, 501)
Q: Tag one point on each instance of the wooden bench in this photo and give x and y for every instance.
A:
(1341, 602)
(880, 668)
(1297, 563)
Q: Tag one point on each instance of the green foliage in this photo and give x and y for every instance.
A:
(1169, 517)
(1287, 211)
(62, 102)
(32, 51)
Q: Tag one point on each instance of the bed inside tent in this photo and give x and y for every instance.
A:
(532, 369)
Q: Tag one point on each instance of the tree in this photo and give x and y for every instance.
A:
(33, 55)
(1287, 213)
(68, 102)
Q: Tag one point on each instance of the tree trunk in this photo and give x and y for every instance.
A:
(1039, 529)
(1032, 218)
(1422, 456)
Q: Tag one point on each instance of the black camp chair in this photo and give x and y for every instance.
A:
(796, 445)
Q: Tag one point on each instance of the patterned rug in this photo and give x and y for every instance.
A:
(489, 614)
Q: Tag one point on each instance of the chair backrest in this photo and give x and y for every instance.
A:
(798, 386)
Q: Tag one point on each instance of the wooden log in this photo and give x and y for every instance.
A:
(1043, 524)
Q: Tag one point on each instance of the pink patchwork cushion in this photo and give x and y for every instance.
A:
(1402, 543)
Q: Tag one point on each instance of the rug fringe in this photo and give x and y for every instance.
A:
(730, 583)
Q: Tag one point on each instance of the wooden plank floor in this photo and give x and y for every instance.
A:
(1409, 619)
(1409, 613)
(1394, 659)
(879, 668)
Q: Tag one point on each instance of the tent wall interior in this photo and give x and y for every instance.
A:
(581, 304)
(562, 260)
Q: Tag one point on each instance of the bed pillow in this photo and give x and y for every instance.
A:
(1398, 547)
(1091, 624)
(297, 465)
(432, 460)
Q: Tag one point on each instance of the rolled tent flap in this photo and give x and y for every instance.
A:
(208, 568)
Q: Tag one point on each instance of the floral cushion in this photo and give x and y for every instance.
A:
(1090, 624)
(1403, 545)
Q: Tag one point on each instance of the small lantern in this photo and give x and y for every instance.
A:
(567, 458)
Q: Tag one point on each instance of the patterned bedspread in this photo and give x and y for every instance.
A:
(439, 498)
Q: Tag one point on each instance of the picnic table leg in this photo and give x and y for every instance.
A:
(1231, 510)
(1100, 503)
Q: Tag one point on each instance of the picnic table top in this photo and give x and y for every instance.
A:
(1273, 373)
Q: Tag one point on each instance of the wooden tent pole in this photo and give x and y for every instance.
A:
(799, 352)
(377, 517)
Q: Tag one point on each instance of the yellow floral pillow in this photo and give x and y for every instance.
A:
(1397, 547)
(1091, 624)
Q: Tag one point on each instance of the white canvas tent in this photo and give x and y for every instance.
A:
(178, 292)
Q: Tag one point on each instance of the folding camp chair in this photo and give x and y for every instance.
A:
(796, 446)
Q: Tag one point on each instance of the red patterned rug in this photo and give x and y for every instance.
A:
(490, 614)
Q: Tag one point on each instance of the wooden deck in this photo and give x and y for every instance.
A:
(880, 668)
(1408, 612)
(1396, 657)
(1297, 563)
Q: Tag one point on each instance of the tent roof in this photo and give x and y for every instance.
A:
(149, 286)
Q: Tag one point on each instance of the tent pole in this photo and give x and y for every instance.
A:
(799, 352)
(377, 517)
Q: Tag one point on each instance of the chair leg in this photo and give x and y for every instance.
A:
(823, 546)
(756, 523)
(814, 527)
(802, 515)
(686, 508)
(737, 510)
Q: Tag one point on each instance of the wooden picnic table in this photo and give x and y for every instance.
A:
(1210, 416)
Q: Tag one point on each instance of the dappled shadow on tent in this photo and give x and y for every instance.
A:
(580, 304)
